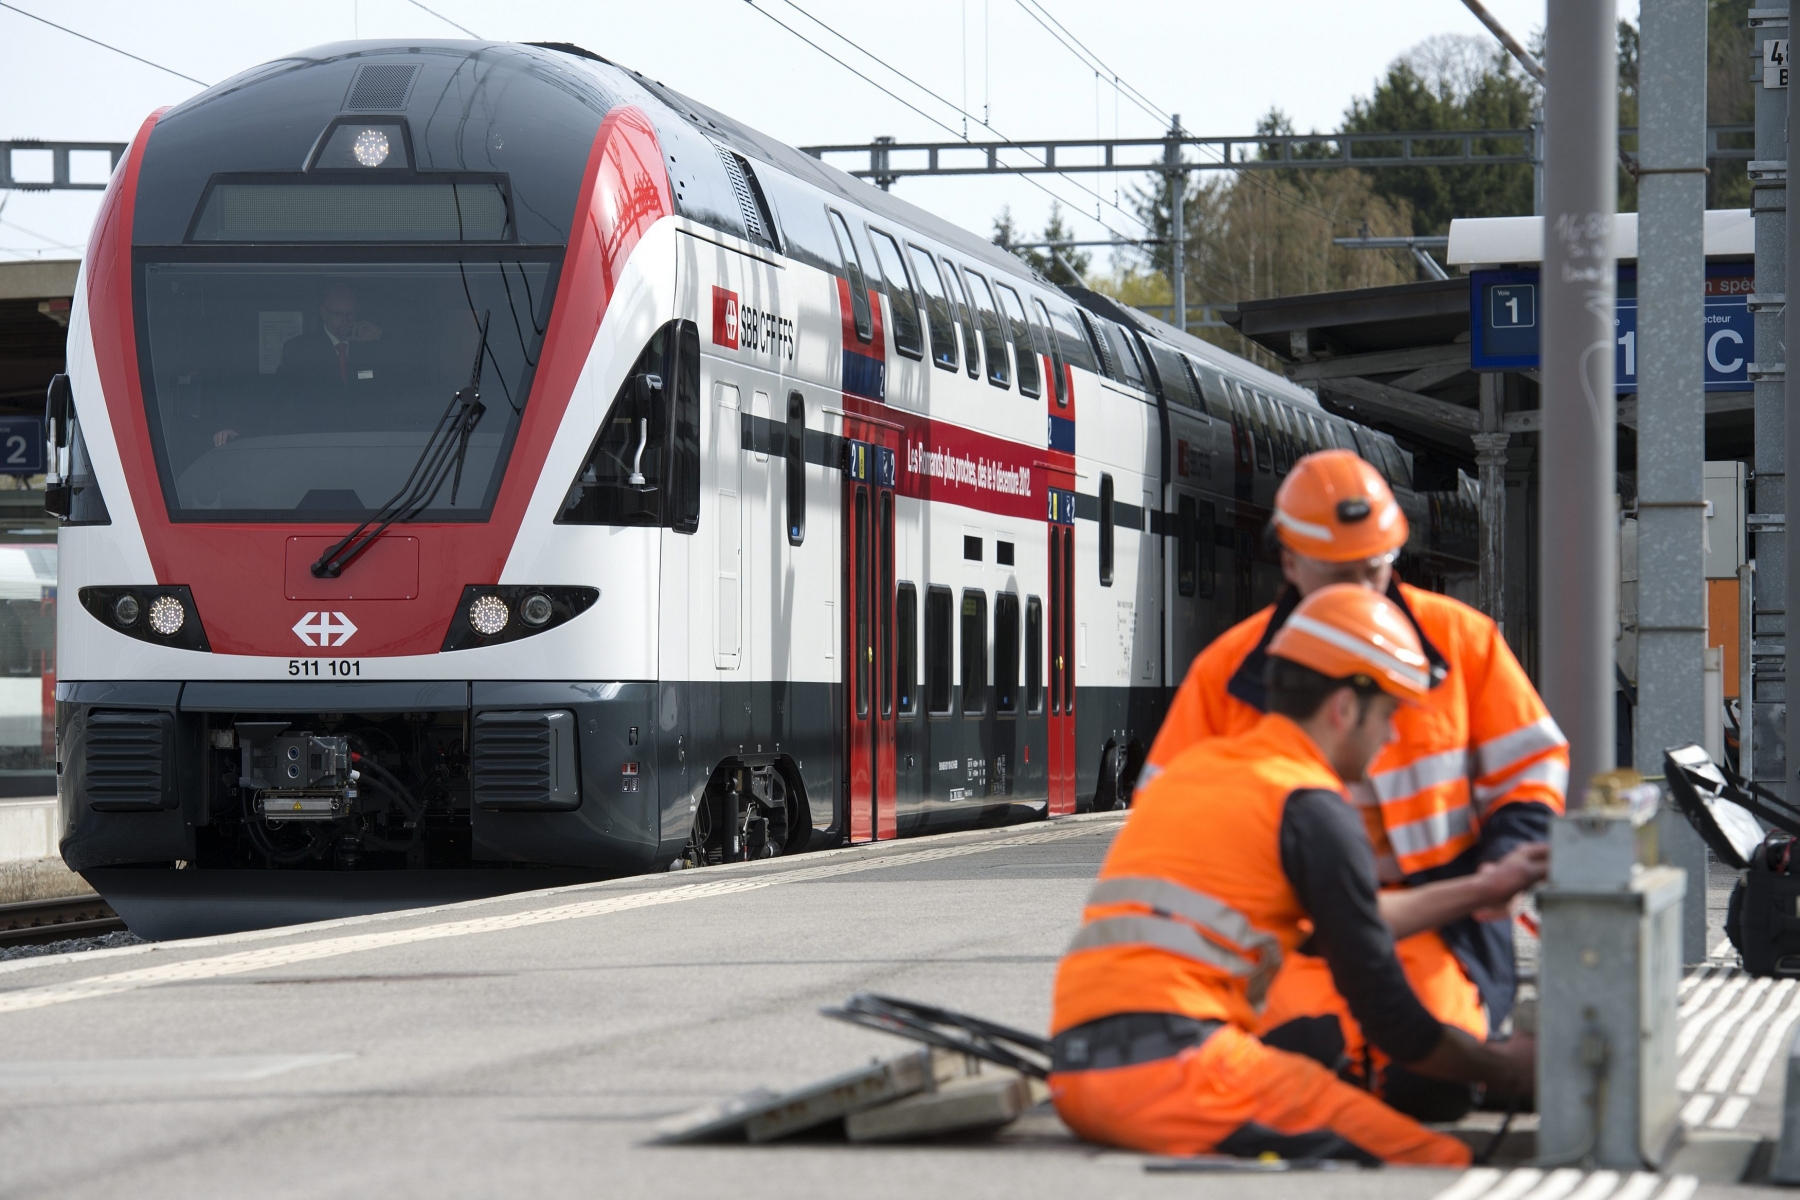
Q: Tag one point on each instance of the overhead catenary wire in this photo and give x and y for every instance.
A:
(103, 45)
(950, 129)
(446, 20)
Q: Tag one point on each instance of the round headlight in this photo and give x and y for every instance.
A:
(125, 610)
(167, 616)
(487, 615)
(370, 147)
(536, 609)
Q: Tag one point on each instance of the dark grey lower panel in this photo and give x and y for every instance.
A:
(646, 753)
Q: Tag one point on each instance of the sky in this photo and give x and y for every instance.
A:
(1219, 65)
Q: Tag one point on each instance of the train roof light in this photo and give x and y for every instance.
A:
(370, 147)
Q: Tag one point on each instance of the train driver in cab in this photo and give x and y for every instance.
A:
(1241, 851)
(1457, 806)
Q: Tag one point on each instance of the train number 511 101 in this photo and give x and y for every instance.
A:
(342, 668)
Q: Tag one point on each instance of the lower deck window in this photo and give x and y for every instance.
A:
(974, 653)
(939, 635)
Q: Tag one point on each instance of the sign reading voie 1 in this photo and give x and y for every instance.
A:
(1504, 325)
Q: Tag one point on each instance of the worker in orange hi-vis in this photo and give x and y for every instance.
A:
(1242, 850)
(1467, 788)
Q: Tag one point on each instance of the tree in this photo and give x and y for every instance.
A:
(1008, 236)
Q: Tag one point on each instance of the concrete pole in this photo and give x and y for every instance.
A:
(1671, 440)
(1579, 543)
(1490, 461)
(1177, 222)
(1768, 208)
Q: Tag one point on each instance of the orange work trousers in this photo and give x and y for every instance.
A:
(1231, 1094)
(1303, 988)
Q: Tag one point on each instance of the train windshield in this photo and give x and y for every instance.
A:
(306, 391)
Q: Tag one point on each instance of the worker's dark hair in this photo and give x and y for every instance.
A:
(1299, 692)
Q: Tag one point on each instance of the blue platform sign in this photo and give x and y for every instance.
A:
(1505, 311)
(21, 446)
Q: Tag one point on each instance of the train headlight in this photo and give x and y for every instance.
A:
(488, 615)
(485, 612)
(370, 147)
(125, 611)
(536, 609)
(167, 616)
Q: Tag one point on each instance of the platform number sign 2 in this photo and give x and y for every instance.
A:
(21, 446)
(1775, 62)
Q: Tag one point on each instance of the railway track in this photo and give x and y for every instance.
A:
(31, 922)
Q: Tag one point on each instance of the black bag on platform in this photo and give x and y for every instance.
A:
(1763, 920)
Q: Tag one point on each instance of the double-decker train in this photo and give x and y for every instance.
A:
(481, 466)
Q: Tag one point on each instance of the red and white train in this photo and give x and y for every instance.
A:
(482, 466)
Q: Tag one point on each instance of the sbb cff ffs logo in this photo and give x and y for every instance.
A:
(329, 628)
(725, 318)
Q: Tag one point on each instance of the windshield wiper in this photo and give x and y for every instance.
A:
(444, 450)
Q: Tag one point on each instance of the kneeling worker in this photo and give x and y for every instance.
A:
(1458, 806)
(1225, 858)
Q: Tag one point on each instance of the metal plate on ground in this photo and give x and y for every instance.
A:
(763, 1115)
(968, 1105)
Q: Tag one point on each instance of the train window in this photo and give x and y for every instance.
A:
(974, 653)
(1034, 655)
(906, 622)
(993, 338)
(1102, 352)
(1212, 387)
(257, 414)
(1006, 653)
(937, 309)
(1397, 471)
(1368, 447)
(1125, 353)
(1259, 426)
(796, 468)
(1076, 350)
(853, 273)
(862, 650)
(903, 305)
(1052, 346)
(1043, 344)
(1030, 344)
(884, 583)
(1172, 373)
(963, 303)
(472, 210)
(1106, 530)
(628, 468)
(940, 637)
(1187, 556)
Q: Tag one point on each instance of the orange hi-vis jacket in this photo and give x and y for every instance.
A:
(1241, 850)
(1475, 770)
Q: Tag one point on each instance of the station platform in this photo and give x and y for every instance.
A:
(529, 1044)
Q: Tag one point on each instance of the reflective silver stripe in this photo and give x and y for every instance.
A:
(1318, 533)
(1428, 833)
(1419, 677)
(1552, 771)
(1499, 753)
(1189, 905)
(1165, 933)
(1146, 773)
(1416, 776)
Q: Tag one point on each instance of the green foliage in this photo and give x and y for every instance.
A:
(1007, 235)
(1470, 89)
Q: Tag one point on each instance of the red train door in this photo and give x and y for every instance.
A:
(1062, 653)
(869, 681)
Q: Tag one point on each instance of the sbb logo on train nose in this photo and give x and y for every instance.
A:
(725, 318)
(325, 626)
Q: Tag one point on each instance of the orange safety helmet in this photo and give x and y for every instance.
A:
(1336, 508)
(1345, 631)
